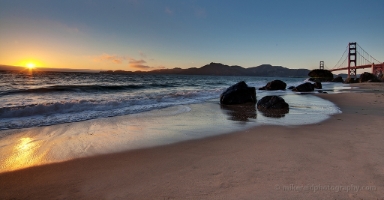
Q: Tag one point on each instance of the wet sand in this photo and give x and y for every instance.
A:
(340, 158)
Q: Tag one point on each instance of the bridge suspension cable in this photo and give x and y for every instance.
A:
(357, 58)
(367, 57)
(362, 58)
(338, 64)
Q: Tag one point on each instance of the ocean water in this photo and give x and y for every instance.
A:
(48, 98)
(126, 112)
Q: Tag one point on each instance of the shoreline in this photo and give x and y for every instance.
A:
(22, 148)
(264, 162)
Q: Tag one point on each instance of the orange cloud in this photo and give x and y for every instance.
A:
(133, 64)
(142, 65)
(138, 64)
(110, 58)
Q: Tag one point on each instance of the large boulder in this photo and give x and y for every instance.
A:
(338, 79)
(238, 94)
(305, 87)
(273, 106)
(272, 103)
(274, 85)
(368, 77)
(320, 75)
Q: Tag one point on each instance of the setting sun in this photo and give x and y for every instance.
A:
(30, 65)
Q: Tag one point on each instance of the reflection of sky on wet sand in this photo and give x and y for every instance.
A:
(22, 153)
(41, 145)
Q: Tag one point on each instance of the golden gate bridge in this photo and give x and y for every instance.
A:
(357, 58)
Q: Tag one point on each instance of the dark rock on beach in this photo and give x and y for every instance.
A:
(238, 94)
(338, 79)
(272, 103)
(274, 85)
(350, 80)
(305, 87)
(320, 75)
(368, 77)
(273, 106)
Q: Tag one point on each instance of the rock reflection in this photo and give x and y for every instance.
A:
(242, 112)
(274, 113)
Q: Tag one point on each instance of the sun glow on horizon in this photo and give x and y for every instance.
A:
(30, 65)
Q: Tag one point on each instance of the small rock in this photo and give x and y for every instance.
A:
(272, 102)
(338, 79)
(274, 85)
(305, 87)
(273, 106)
(350, 80)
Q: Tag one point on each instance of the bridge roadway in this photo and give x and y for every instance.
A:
(374, 67)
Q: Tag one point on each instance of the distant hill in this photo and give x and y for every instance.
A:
(218, 69)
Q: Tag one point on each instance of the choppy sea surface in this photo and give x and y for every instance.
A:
(48, 98)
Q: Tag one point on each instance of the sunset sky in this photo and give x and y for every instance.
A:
(149, 34)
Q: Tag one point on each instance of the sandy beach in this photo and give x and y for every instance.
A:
(340, 158)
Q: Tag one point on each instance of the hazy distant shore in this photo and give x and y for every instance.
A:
(219, 69)
(343, 153)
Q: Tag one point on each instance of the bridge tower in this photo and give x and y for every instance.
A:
(352, 59)
(321, 64)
